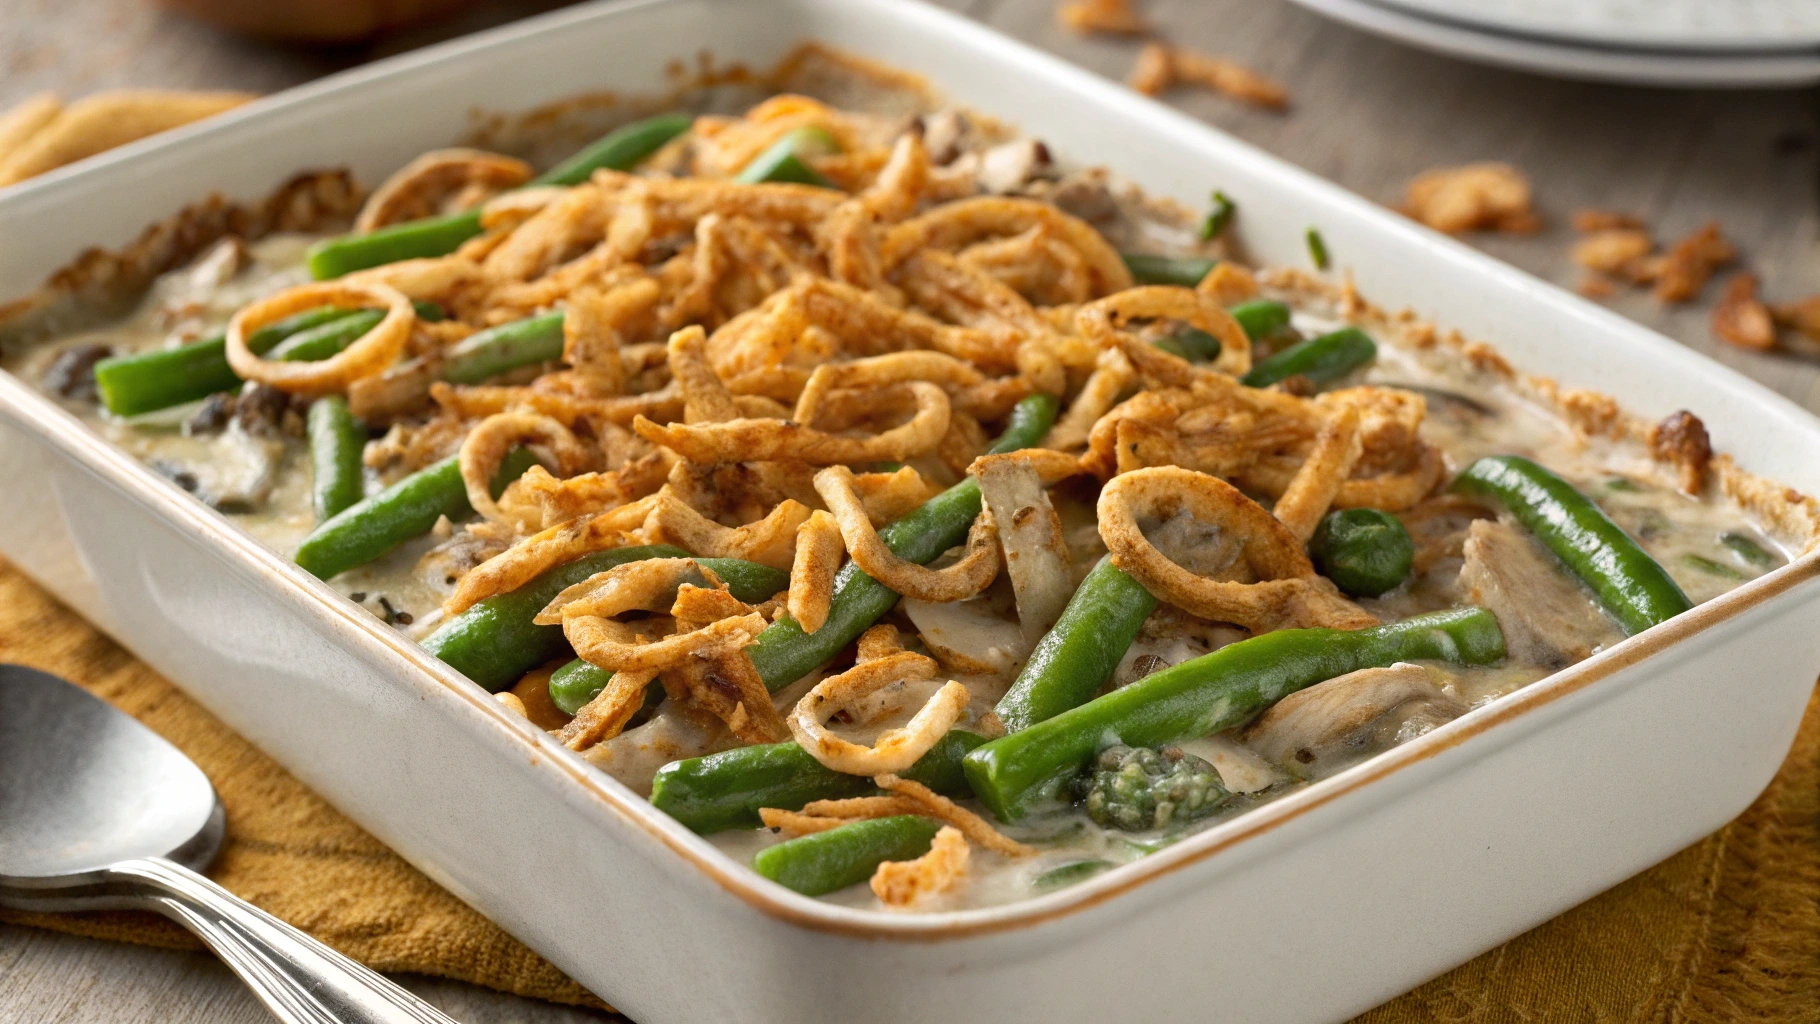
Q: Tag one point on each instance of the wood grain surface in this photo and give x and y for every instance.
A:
(1365, 113)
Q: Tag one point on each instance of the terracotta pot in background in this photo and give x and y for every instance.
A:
(313, 21)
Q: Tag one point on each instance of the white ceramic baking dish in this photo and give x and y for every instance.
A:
(1312, 908)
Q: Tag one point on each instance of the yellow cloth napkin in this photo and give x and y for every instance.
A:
(1727, 930)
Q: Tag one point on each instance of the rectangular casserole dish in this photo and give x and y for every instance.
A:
(1516, 812)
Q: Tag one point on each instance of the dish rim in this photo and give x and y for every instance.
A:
(58, 427)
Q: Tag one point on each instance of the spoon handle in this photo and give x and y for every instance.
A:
(298, 978)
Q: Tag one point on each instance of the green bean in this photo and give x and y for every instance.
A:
(1076, 657)
(1023, 771)
(1184, 271)
(374, 526)
(1328, 357)
(337, 442)
(412, 239)
(1636, 590)
(1191, 343)
(619, 150)
(495, 641)
(1261, 318)
(725, 790)
(326, 340)
(783, 653)
(143, 382)
(1317, 249)
(1219, 217)
(1711, 568)
(1068, 874)
(784, 160)
(823, 862)
(507, 347)
(1364, 551)
(1748, 549)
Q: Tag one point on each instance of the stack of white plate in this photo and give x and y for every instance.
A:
(1655, 42)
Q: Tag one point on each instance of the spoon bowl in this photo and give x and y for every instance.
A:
(83, 786)
(99, 812)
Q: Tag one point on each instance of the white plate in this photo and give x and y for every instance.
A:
(1699, 25)
(1422, 857)
(1641, 67)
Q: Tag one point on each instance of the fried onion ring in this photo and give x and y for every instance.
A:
(1289, 594)
(895, 749)
(769, 541)
(614, 645)
(955, 225)
(525, 560)
(965, 578)
(1105, 320)
(419, 188)
(371, 353)
(743, 440)
(486, 446)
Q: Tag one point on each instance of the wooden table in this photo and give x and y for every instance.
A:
(1366, 113)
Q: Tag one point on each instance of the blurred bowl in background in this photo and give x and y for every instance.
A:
(313, 21)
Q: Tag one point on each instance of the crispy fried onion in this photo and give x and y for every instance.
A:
(970, 390)
(1269, 585)
(749, 439)
(486, 446)
(370, 353)
(769, 541)
(618, 646)
(941, 808)
(586, 615)
(965, 578)
(1105, 320)
(705, 399)
(818, 556)
(1112, 374)
(459, 177)
(727, 686)
(1323, 473)
(895, 749)
(606, 715)
(880, 641)
(1410, 480)
(904, 883)
(557, 545)
(649, 584)
(956, 225)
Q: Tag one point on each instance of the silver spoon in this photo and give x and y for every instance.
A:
(99, 812)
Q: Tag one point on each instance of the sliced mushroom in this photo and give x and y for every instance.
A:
(1242, 769)
(1007, 167)
(1318, 728)
(1036, 556)
(1549, 618)
(968, 637)
(232, 471)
